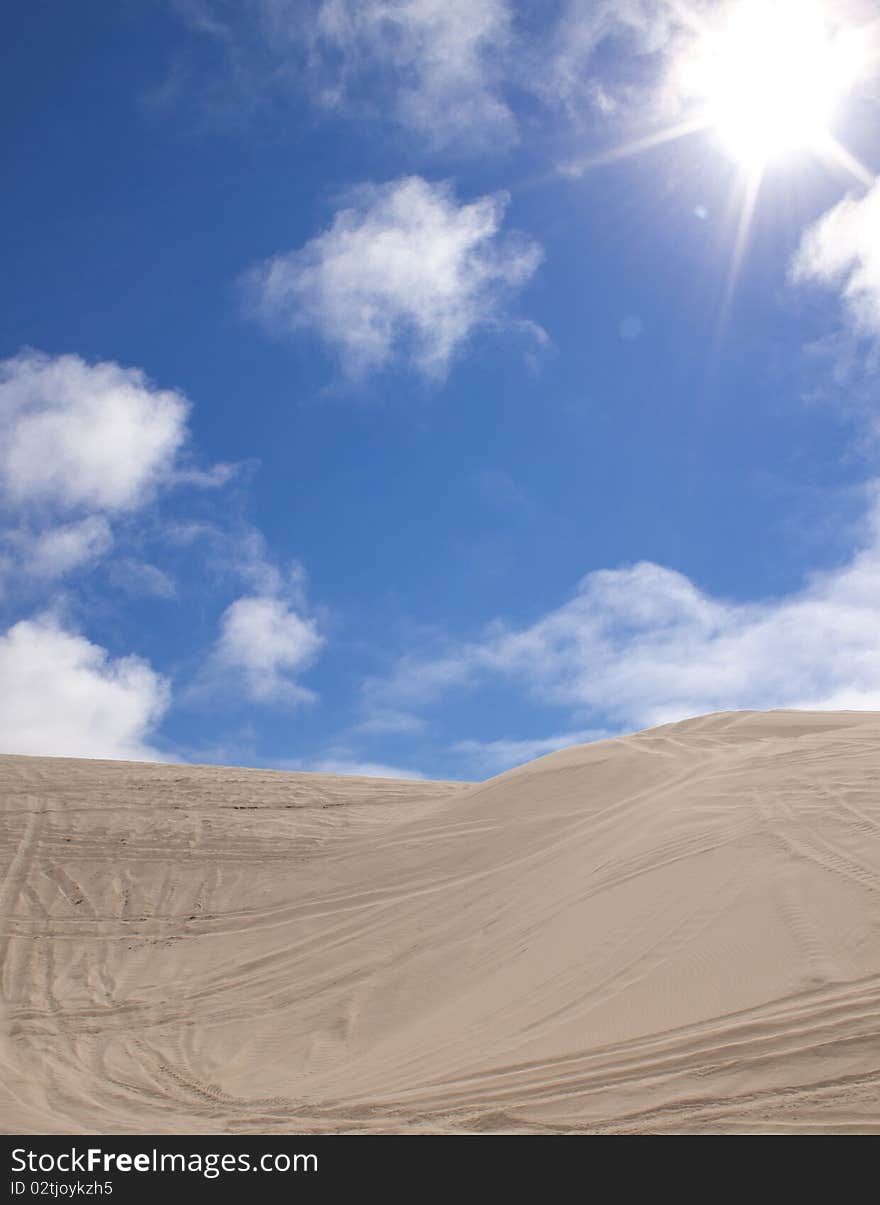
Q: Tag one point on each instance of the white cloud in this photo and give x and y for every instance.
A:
(65, 697)
(83, 446)
(266, 642)
(843, 249)
(642, 645)
(80, 436)
(405, 272)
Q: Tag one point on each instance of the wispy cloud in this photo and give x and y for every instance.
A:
(651, 31)
(349, 765)
(437, 67)
(442, 63)
(238, 552)
(499, 488)
(141, 579)
(492, 757)
(57, 550)
(404, 273)
(446, 71)
(385, 721)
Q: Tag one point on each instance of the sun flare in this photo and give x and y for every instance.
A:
(772, 77)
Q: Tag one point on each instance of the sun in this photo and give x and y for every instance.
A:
(765, 80)
(770, 79)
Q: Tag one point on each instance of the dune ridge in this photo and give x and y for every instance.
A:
(673, 931)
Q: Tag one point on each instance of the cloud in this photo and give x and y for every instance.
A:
(444, 71)
(492, 757)
(56, 551)
(437, 67)
(649, 30)
(266, 638)
(387, 720)
(404, 273)
(65, 697)
(78, 436)
(644, 644)
(499, 487)
(141, 579)
(842, 250)
(265, 642)
(214, 477)
(342, 765)
(442, 62)
(239, 552)
(87, 454)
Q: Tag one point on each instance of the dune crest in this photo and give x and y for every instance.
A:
(673, 931)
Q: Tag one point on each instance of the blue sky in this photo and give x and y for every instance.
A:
(383, 385)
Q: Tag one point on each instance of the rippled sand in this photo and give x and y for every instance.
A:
(673, 931)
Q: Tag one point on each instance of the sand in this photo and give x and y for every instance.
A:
(677, 931)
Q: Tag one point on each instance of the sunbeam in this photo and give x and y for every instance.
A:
(750, 182)
(833, 152)
(681, 129)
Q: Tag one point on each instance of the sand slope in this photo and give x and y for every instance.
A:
(678, 930)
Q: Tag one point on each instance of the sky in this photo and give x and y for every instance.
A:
(412, 387)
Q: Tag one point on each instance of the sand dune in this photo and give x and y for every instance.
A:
(673, 931)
